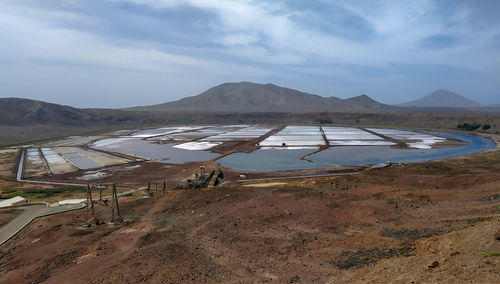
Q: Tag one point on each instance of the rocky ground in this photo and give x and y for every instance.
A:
(427, 222)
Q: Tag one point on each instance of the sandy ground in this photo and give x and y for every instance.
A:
(32, 170)
(265, 184)
(8, 163)
(98, 157)
(426, 222)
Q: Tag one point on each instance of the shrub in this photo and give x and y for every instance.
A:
(325, 121)
(486, 126)
(491, 253)
(468, 126)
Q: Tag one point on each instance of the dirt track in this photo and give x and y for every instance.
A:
(385, 225)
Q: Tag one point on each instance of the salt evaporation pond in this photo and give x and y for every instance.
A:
(154, 151)
(275, 160)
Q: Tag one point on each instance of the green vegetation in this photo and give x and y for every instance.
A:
(468, 126)
(324, 121)
(38, 193)
(362, 257)
(407, 248)
(491, 253)
(405, 234)
(472, 126)
(79, 233)
(479, 219)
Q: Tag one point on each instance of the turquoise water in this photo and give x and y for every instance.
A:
(275, 160)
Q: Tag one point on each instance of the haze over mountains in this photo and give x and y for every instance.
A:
(443, 98)
(17, 111)
(252, 97)
(243, 97)
(25, 120)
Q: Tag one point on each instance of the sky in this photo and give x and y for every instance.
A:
(121, 53)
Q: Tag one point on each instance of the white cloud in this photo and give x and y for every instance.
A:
(249, 22)
(249, 40)
(238, 39)
(257, 29)
(39, 39)
(253, 31)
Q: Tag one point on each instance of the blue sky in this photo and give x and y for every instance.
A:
(119, 53)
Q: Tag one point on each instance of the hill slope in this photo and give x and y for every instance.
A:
(252, 97)
(18, 111)
(23, 120)
(443, 98)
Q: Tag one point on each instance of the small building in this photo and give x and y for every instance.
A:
(13, 201)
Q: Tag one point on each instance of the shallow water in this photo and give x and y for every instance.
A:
(145, 149)
(273, 160)
(83, 163)
(74, 154)
(152, 132)
(269, 160)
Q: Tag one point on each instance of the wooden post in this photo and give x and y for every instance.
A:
(164, 186)
(116, 199)
(115, 204)
(100, 193)
(90, 204)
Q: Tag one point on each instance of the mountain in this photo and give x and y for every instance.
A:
(443, 98)
(15, 111)
(365, 102)
(252, 97)
(18, 111)
(25, 120)
(229, 98)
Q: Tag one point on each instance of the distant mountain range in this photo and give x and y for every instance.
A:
(25, 120)
(443, 98)
(252, 97)
(229, 98)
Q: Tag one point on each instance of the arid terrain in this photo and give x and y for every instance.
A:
(249, 141)
(436, 221)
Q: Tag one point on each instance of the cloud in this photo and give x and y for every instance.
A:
(341, 45)
(39, 39)
(270, 28)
